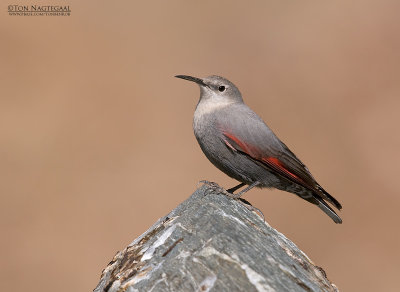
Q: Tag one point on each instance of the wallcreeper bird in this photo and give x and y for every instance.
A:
(239, 143)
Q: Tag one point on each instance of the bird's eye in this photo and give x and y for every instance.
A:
(221, 88)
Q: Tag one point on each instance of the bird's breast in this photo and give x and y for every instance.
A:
(205, 115)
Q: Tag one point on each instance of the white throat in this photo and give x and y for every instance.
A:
(207, 106)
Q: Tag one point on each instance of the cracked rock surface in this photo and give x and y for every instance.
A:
(212, 243)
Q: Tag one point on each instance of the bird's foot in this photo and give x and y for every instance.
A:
(214, 187)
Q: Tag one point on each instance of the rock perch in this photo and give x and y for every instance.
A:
(212, 243)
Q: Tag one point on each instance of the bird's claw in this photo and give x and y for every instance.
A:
(214, 187)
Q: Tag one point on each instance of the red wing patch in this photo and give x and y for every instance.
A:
(243, 146)
(277, 163)
(229, 145)
(272, 162)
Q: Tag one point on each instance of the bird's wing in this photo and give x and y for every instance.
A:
(252, 137)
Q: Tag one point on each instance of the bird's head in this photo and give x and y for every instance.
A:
(216, 88)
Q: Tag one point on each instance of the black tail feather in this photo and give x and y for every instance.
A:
(328, 210)
(329, 198)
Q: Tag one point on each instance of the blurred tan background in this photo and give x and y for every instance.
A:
(97, 142)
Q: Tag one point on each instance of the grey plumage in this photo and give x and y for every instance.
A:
(238, 142)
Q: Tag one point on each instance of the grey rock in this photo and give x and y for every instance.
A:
(212, 243)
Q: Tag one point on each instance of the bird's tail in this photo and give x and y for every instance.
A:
(316, 199)
(328, 210)
(330, 199)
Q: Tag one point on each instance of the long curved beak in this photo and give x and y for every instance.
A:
(193, 79)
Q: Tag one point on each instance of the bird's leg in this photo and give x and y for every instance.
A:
(246, 203)
(239, 194)
(231, 190)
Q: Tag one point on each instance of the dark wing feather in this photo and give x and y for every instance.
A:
(252, 136)
(289, 159)
(298, 174)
